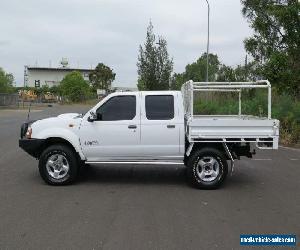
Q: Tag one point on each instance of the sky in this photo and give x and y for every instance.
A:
(110, 31)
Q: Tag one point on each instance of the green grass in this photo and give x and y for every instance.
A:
(284, 107)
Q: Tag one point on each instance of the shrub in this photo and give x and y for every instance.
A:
(74, 87)
(6, 82)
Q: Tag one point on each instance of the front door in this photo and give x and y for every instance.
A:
(116, 134)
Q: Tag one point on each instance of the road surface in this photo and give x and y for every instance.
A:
(141, 207)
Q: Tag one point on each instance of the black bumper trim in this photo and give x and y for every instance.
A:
(32, 146)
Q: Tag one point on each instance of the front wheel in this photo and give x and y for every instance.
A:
(58, 165)
(207, 168)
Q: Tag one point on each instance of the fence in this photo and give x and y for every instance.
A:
(9, 100)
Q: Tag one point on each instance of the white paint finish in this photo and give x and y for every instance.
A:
(224, 126)
(181, 123)
(113, 139)
(157, 140)
(151, 140)
(244, 127)
(59, 127)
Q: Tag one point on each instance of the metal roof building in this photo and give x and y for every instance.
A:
(41, 76)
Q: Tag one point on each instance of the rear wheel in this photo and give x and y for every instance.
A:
(58, 165)
(207, 168)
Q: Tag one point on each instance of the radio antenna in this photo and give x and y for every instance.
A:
(28, 115)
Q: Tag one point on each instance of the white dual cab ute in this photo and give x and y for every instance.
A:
(156, 127)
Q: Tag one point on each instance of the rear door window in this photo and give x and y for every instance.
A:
(159, 107)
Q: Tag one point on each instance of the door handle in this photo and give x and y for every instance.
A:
(132, 126)
(170, 126)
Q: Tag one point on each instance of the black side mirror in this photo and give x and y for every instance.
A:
(92, 117)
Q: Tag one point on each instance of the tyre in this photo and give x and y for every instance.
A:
(207, 168)
(58, 165)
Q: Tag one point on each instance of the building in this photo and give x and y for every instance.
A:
(41, 76)
(124, 89)
(102, 92)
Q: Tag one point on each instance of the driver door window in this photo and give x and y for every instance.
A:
(118, 108)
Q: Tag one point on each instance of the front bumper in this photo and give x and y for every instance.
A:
(32, 146)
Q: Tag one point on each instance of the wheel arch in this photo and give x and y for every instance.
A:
(59, 140)
(201, 145)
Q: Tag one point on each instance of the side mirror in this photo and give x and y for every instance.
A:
(92, 117)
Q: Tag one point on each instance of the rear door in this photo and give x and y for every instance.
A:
(160, 126)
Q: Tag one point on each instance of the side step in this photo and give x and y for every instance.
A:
(136, 162)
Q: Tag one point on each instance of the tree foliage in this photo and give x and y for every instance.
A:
(275, 44)
(217, 71)
(196, 71)
(102, 77)
(6, 82)
(74, 87)
(154, 64)
(240, 73)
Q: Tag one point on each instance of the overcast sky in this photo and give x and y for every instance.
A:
(110, 31)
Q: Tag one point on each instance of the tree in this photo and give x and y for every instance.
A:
(154, 65)
(42, 90)
(177, 80)
(197, 71)
(102, 77)
(275, 45)
(226, 74)
(74, 87)
(240, 73)
(55, 90)
(6, 82)
(217, 71)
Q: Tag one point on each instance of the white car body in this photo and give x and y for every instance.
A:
(113, 140)
(151, 139)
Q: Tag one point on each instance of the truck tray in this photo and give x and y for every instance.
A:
(264, 132)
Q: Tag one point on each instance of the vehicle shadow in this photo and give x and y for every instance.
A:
(126, 174)
(154, 174)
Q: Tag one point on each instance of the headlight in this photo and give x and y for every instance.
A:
(28, 133)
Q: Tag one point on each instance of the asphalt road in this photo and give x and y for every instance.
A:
(141, 207)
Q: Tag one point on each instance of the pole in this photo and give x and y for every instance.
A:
(269, 102)
(240, 102)
(207, 51)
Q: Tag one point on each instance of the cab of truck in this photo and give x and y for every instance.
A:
(135, 125)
